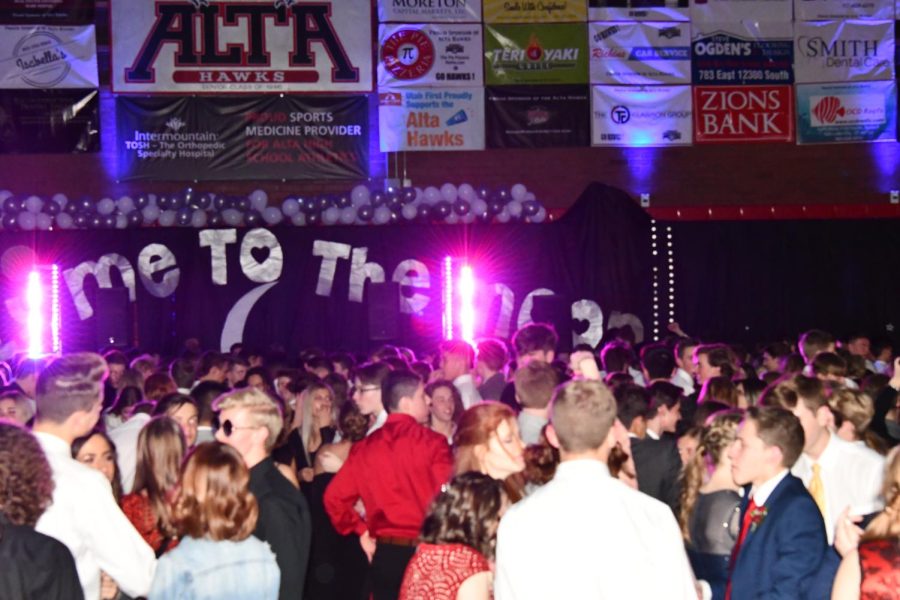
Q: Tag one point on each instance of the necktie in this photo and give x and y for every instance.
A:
(745, 527)
(817, 488)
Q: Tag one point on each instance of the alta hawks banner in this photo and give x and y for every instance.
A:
(428, 119)
(641, 116)
(250, 46)
(231, 138)
(46, 12)
(535, 11)
(847, 112)
(306, 286)
(817, 10)
(736, 11)
(545, 54)
(752, 113)
(849, 50)
(429, 11)
(49, 121)
(545, 116)
(46, 57)
(638, 10)
(640, 53)
(430, 55)
(742, 53)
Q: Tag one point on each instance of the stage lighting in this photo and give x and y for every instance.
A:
(467, 303)
(447, 297)
(34, 323)
(39, 339)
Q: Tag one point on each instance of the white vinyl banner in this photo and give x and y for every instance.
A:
(641, 116)
(638, 10)
(837, 51)
(814, 10)
(640, 53)
(426, 119)
(429, 11)
(252, 46)
(430, 55)
(45, 57)
(731, 11)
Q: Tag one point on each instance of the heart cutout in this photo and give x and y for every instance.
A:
(580, 326)
(260, 255)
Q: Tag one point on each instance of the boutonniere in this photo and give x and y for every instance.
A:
(757, 515)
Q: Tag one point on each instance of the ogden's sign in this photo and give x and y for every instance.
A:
(241, 46)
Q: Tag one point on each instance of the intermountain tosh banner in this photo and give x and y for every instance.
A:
(431, 119)
(44, 57)
(242, 137)
(189, 46)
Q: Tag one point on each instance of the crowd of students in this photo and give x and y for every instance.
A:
(674, 469)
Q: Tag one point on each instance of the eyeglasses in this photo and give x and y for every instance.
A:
(228, 427)
(364, 388)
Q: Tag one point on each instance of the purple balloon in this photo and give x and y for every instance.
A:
(52, 208)
(109, 221)
(378, 198)
(220, 203)
(10, 221)
(141, 201)
(530, 208)
(461, 207)
(135, 218)
(71, 208)
(424, 212)
(313, 218)
(407, 195)
(442, 210)
(365, 212)
(214, 219)
(396, 218)
(80, 220)
(164, 202)
(252, 218)
(86, 205)
(203, 201)
(344, 201)
(484, 193)
(494, 207)
(503, 195)
(242, 204)
(183, 218)
(95, 222)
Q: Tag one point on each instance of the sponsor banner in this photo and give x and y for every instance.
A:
(742, 53)
(641, 116)
(640, 53)
(427, 119)
(813, 10)
(527, 54)
(57, 12)
(45, 57)
(249, 46)
(750, 113)
(49, 121)
(847, 112)
(430, 55)
(538, 116)
(735, 11)
(534, 11)
(638, 10)
(429, 11)
(261, 137)
(847, 50)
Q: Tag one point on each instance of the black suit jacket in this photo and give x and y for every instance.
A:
(284, 522)
(658, 466)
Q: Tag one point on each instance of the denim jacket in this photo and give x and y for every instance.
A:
(199, 569)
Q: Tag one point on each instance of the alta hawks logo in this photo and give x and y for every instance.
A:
(829, 109)
(408, 54)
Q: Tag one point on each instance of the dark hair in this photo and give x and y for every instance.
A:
(535, 383)
(829, 363)
(718, 355)
(541, 460)
(127, 397)
(616, 380)
(352, 423)
(535, 337)
(115, 357)
(467, 511)
(707, 409)
(616, 357)
(116, 482)
(779, 427)
(182, 371)
(632, 401)
(204, 394)
(658, 361)
(662, 393)
(790, 364)
(344, 359)
(170, 403)
(814, 341)
(372, 373)
(397, 385)
(227, 510)
(26, 480)
(459, 348)
(160, 450)
(683, 344)
(319, 362)
(71, 383)
(339, 386)
(458, 406)
(422, 369)
(158, 385)
(211, 360)
(492, 353)
(719, 389)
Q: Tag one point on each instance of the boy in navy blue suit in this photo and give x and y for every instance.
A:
(782, 538)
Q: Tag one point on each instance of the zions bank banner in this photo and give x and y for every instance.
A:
(240, 137)
(312, 286)
(241, 46)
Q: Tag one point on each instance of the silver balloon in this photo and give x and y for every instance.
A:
(121, 221)
(259, 200)
(151, 214)
(331, 215)
(299, 219)
(330, 252)
(44, 222)
(232, 217)
(360, 271)
(540, 216)
(101, 271)
(106, 206)
(125, 204)
(518, 192)
(348, 215)
(409, 211)
(503, 216)
(27, 220)
(64, 220)
(270, 268)
(199, 219)
(217, 240)
(33, 204)
(60, 199)
(167, 218)
(156, 258)
(515, 208)
(290, 207)
(382, 215)
(272, 215)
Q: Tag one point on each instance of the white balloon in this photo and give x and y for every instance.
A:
(409, 211)
(360, 195)
(64, 220)
(151, 213)
(125, 204)
(259, 200)
(121, 222)
(479, 206)
(432, 195)
(167, 218)
(198, 219)
(299, 219)
(348, 215)
(232, 216)
(449, 192)
(290, 207)
(382, 215)
(33, 204)
(4, 194)
(469, 217)
(518, 192)
(467, 192)
(272, 215)
(60, 199)
(540, 216)
(27, 221)
(503, 216)
(529, 196)
(106, 206)
(514, 208)
(331, 215)
(151, 199)
(452, 219)
(44, 222)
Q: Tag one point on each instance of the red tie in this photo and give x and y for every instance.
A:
(745, 527)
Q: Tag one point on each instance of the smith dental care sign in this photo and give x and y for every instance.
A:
(226, 46)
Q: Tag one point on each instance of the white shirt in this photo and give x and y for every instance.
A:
(761, 494)
(125, 437)
(84, 516)
(380, 420)
(682, 379)
(467, 389)
(587, 535)
(852, 476)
